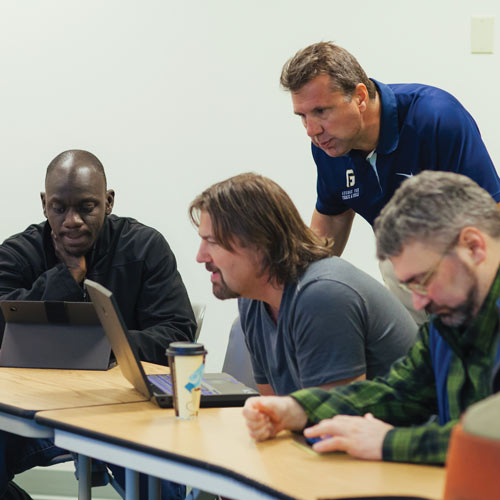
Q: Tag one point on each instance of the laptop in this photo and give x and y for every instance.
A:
(53, 334)
(217, 389)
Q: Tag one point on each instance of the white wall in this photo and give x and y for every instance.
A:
(175, 95)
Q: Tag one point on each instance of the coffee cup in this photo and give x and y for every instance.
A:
(186, 361)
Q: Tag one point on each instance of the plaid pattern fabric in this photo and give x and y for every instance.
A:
(406, 396)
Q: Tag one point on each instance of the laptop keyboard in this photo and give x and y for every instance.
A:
(164, 383)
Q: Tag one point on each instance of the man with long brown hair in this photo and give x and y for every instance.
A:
(309, 319)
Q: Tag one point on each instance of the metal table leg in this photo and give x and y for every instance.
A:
(84, 477)
(154, 488)
(131, 485)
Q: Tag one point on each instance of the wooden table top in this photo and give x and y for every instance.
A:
(28, 390)
(218, 439)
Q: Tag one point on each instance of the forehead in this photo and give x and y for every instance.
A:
(315, 93)
(206, 230)
(82, 181)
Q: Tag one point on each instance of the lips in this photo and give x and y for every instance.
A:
(214, 270)
(73, 236)
(73, 239)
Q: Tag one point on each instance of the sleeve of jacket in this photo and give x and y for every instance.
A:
(426, 444)
(405, 397)
(54, 284)
(163, 309)
(23, 276)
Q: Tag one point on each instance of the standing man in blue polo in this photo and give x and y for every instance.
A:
(368, 137)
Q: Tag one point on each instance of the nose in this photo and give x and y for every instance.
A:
(202, 255)
(419, 301)
(313, 127)
(73, 219)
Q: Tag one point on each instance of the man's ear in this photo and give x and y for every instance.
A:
(361, 96)
(110, 201)
(474, 242)
(42, 197)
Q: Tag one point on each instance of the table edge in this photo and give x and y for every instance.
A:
(47, 421)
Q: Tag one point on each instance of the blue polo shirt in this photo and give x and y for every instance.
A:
(421, 128)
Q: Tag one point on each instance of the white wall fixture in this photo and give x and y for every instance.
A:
(482, 35)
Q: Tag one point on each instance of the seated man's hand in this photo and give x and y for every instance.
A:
(77, 265)
(268, 415)
(361, 437)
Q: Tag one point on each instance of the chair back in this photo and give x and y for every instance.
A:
(199, 314)
(237, 360)
(473, 461)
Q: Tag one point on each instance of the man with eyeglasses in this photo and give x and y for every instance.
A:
(441, 232)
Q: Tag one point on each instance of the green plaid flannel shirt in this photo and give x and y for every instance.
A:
(406, 396)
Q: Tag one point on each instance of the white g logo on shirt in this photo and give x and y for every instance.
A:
(350, 179)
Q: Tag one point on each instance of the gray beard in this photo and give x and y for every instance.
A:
(462, 315)
(465, 313)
